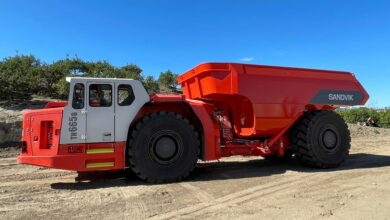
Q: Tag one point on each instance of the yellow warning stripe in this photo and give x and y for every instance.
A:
(98, 165)
(100, 151)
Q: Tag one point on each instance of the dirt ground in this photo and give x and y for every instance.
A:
(237, 187)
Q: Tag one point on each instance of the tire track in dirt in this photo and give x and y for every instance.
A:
(136, 206)
(42, 180)
(197, 192)
(9, 161)
(7, 165)
(237, 197)
(313, 184)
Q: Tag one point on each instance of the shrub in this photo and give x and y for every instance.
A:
(356, 115)
(361, 115)
(385, 118)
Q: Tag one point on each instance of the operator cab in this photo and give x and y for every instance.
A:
(100, 109)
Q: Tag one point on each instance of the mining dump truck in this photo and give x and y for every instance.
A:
(226, 109)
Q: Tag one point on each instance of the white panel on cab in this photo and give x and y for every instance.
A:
(74, 116)
(101, 109)
(131, 96)
(100, 112)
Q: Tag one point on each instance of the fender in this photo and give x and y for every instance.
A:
(210, 148)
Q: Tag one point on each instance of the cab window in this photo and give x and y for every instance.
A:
(78, 96)
(125, 95)
(100, 95)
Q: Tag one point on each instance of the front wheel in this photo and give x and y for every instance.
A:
(163, 147)
(322, 139)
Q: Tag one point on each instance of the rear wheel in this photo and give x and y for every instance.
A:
(321, 138)
(164, 147)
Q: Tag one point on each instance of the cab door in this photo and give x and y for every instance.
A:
(74, 116)
(100, 112)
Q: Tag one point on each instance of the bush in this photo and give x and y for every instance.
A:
(358, 115)
(361, 115)
(385, 118)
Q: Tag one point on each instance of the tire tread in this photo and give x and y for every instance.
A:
(136, 131)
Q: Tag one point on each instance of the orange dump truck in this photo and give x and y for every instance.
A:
(226, 109)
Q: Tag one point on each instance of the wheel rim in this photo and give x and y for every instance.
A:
(165, 147)
(329, 139)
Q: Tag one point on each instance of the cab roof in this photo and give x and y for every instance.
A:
(94, 79)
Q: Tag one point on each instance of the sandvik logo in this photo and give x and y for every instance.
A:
(337, 97)
(340, 97)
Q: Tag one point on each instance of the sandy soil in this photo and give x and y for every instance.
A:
(237, 187)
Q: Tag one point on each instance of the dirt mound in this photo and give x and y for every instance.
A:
(10, 125)
(358, 131)
(11, 118)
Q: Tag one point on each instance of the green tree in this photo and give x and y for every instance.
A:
(100, 69)
(24, 75)
(167, 82)
(131, 71)
(61, 88)
(59, 70)
(19, 77)
(151, 85)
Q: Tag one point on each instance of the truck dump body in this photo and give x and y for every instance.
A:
(263, 100)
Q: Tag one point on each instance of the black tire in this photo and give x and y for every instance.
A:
(321, 139)
(163, 147)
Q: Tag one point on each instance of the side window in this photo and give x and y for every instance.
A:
(125, 95)
(78, 96)
(100, 95)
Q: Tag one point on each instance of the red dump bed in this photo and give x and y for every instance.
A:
(262, 100)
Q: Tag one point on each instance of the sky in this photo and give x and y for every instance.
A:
(177, 35)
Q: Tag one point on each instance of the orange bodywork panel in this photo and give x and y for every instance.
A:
(211, 133)
(262, 100)
(41, 145)
(80, 157)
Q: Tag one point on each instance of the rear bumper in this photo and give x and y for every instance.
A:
(108, 156)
